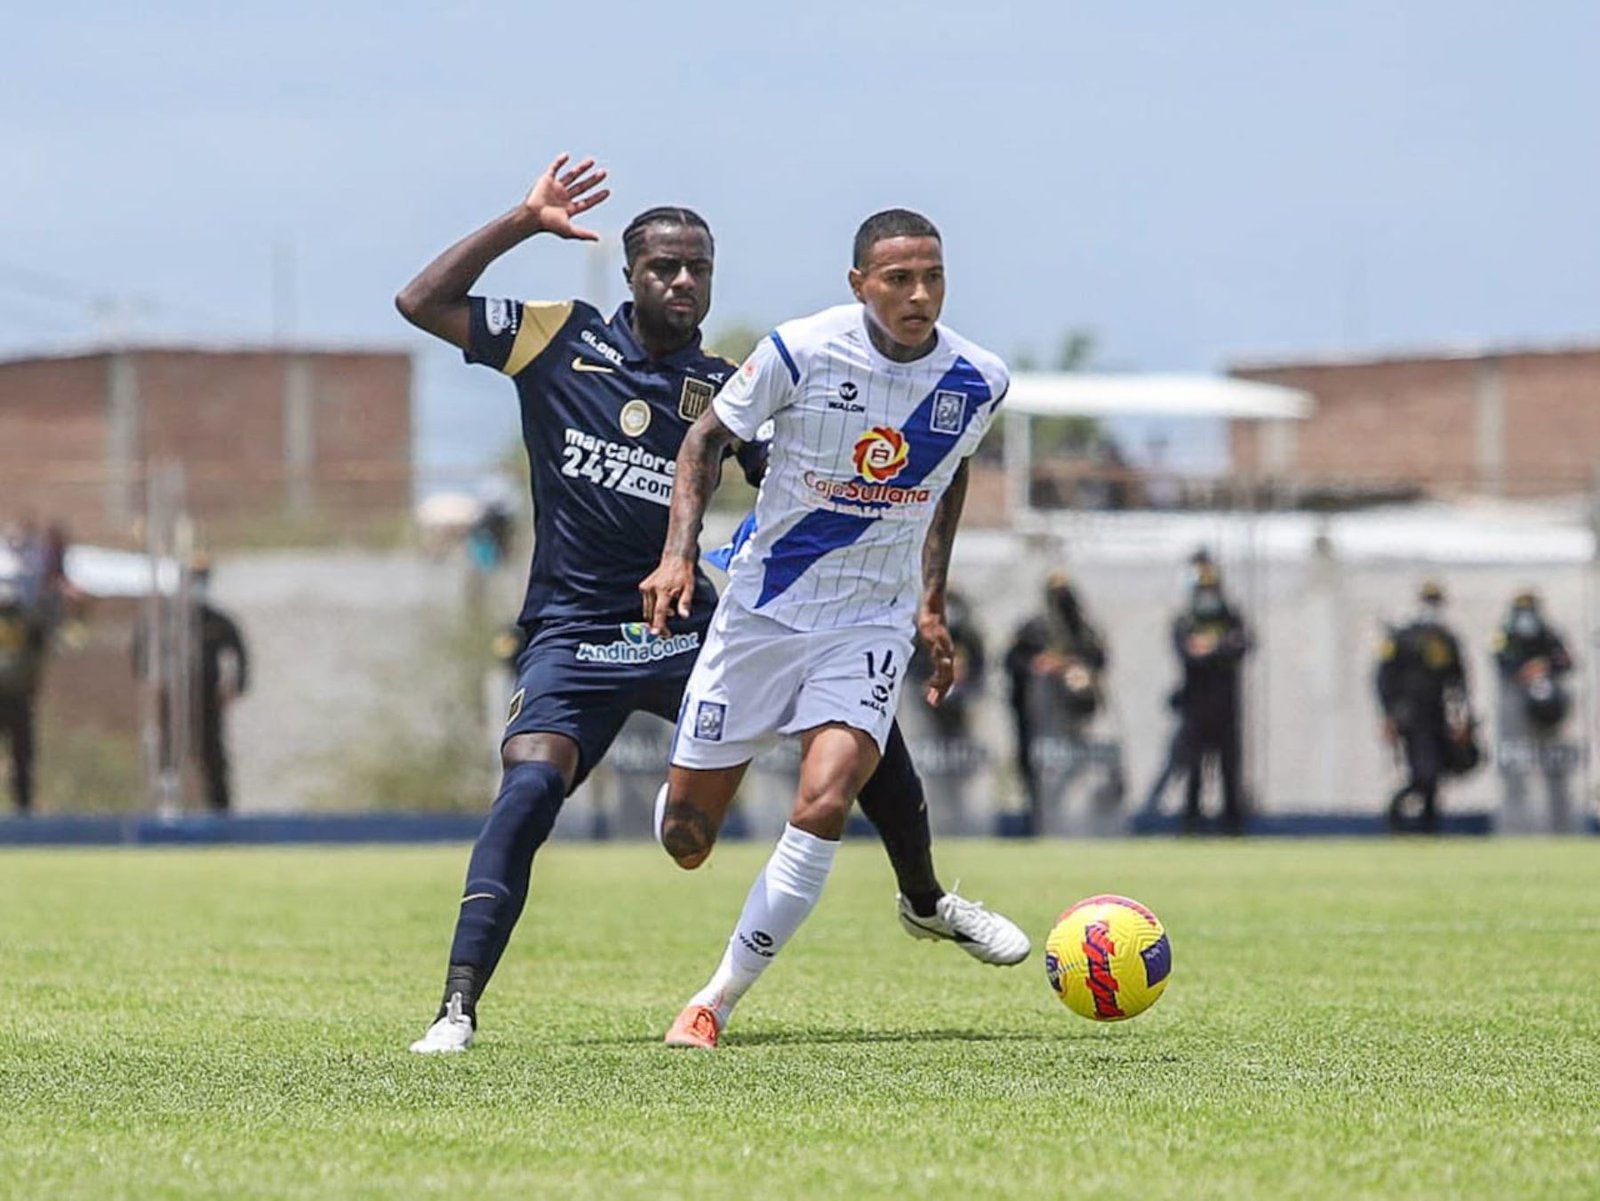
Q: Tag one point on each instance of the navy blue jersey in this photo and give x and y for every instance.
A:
(602, 422)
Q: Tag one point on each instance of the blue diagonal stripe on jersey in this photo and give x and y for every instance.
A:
(823, 530)
(783, 353)
(813, 536)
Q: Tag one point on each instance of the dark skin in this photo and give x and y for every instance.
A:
(902, 287)
(669, 278)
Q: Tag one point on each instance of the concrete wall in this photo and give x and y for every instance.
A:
(352, 656)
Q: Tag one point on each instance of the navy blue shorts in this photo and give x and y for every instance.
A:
(583, 679)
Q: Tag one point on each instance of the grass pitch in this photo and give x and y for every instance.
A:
(1391, 1020)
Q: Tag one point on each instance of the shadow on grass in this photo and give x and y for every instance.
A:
(812, 1036)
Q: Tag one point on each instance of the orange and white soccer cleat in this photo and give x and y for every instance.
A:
(696, 1027)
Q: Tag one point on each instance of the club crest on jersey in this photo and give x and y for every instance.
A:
(634, 418)
(709, 717)
(880, 454)
(949, 412)
(694, 398)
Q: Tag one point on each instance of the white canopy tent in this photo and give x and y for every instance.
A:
(1074, 394)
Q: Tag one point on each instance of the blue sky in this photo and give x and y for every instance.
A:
(1193, 182)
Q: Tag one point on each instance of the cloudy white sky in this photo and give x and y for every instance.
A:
(1193, 182)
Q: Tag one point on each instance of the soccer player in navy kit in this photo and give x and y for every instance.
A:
(605, 405)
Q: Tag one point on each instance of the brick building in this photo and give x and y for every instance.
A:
(262, 435)
(1515, 422)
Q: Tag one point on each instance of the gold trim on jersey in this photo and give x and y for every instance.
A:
(541, 322)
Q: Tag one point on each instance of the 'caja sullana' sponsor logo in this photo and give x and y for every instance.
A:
(637, 645)
(879, 455)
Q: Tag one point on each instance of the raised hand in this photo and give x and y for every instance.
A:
(560, 195)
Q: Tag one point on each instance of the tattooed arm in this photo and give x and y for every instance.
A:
(669, 589)
(935, 575)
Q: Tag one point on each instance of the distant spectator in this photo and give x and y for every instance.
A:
(224, 671)
(22, 647)
(1533, 665)
(27, 546)
(1054, 666)
(1211, 642)
(489, 539)
(1422, 687)
(220, 674)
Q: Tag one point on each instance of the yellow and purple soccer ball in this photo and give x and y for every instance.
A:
(1108, 958)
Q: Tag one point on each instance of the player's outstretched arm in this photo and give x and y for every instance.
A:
(935, 579)
(436, 300)
(669, 589)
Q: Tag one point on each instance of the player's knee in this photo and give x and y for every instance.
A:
(555, 749)
(821, 810)
(687, 835)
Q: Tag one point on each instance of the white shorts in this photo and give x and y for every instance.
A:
(757, 679)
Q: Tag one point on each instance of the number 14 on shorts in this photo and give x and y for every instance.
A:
(883, 673)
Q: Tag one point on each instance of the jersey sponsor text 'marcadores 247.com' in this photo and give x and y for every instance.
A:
(602, 422)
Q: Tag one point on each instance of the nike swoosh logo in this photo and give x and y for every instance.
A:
(953, 936)
(477, 896)
(579, 363)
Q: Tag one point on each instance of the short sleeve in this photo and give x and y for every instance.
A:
(998, 383)
(509, 334)
(762, 386)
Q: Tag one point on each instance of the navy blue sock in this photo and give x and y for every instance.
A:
(502, 860)
(893, 802)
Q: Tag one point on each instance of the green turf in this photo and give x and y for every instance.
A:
(1344, 1020)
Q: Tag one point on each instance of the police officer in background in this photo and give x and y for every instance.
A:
(23, 635)
(1422, 687)
(1054, 664)
(1533, 664)
(1211, 641)
(224, 671)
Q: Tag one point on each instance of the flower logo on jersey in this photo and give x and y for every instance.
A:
(880, 454)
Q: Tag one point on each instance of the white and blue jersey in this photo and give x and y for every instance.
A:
(861, 450)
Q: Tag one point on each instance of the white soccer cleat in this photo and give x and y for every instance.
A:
(451, 1033)
(986, 936)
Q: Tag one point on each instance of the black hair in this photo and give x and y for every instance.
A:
(891, 223)
(666, 214)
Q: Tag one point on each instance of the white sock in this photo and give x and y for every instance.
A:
(782, 897)
(661, 812)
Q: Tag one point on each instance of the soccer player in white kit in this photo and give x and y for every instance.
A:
(874, 409)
